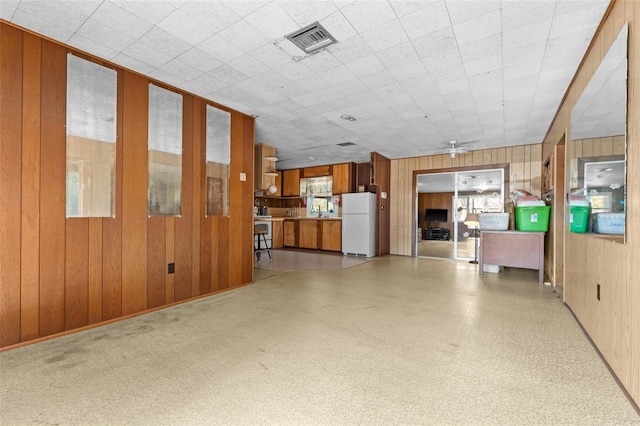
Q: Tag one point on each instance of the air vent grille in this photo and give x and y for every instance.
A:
(311, 38)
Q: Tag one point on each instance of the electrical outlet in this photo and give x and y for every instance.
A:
(243, 177)
(172, 268)
(598, 291)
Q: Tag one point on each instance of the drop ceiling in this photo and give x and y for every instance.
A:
(414, 74)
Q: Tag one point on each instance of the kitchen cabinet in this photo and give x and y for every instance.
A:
(517, 249)
(291, 183)
(342, 181)
(277, 234)
(265, 167)
(316, 171)
(331, 235)
(289, 233)
(308, 234)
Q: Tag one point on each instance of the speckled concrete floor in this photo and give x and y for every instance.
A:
(396, 340)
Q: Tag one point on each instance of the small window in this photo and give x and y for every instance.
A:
(165, 152)
(91, 139)
(218, 159)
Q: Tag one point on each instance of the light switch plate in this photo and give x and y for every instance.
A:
(243, 177)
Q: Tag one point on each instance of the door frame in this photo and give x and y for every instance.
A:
(414, 190)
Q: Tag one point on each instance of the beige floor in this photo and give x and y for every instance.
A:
(444, 249)
(395, 340)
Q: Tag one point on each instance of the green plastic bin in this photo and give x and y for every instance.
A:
(532, 219)
(579, 218)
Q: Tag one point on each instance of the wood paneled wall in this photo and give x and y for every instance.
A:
(61, 274)
(613, 322)
(525, 173)
(438, 200)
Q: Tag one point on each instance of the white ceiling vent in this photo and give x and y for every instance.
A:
(311, 38)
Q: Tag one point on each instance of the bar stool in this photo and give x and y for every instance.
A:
(261, 229)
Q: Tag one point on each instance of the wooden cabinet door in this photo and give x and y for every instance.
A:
(331, 235)
(316, 171)
(277, 234)
(289, 231)
(291, 183)
(308, 234)
(342, 178)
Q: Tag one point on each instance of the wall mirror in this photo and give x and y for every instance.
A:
(91, 139)
(598, 148)
(218, 160)
(165, 152)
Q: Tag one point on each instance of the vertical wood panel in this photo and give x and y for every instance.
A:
(134, 199)
(199, 132)
(206, 262)
(170, 257)
(156, 262)
(184, 223)
(234, 221)
(30, 247)
(76, 295)
(10, 176)
(52, 188)
(247, 201)
(221, 263)
(95, 270)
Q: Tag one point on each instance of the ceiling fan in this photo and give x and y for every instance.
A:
(453, 149)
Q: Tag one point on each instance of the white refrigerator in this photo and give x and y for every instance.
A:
(359, 224)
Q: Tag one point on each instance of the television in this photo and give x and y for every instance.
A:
(436, 215)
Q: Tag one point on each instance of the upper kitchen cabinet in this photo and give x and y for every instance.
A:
(316, 171)
(291, 183)
(343, 181)
(265, 176)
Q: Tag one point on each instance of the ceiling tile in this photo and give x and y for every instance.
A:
(212, 14)
(119, 19)
(220, 49)
(364, 18)
(270, 55)
(153, 15)
(350, 50)
(133, 63)
(307, 12)
(180, 69)
(244, 36)
(518, 14)
(42, 26)
(8, 8)
(146, 54)
(199, 60)
(247, 65)
(272, 21)
(100, 33)
(338, 26)
(427, 20)
(171, 45)
(461, 11)
(409, 70)
(481, 27)
(385, 36)
(365, 66)
(185, 28)
(91, 46)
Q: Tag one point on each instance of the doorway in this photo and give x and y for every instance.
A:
(445, 202)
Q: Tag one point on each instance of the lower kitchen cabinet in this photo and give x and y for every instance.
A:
(331, 232)
(289, 233)
(322, 234)
(277, 234)
(308, 234)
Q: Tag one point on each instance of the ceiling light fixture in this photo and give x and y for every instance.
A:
(348, 117)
